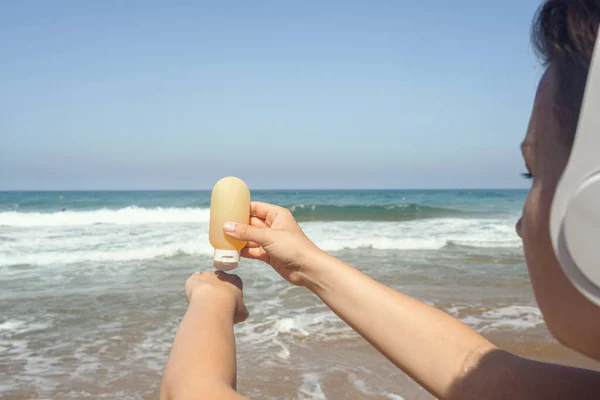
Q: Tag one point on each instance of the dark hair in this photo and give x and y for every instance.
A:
(564, 33)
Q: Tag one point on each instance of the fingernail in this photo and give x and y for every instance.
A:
(229, 227)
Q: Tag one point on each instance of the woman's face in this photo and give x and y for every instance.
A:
(571, 318)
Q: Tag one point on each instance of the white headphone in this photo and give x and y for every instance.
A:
(575, 215)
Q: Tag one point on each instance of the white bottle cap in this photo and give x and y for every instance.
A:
(226, 260)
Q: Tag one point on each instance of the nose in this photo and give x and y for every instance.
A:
(518, 227)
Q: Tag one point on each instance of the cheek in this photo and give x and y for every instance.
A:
(534, 224)
(533, 232)
(527, 224)
(539, 255)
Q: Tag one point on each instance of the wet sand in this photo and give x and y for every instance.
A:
(383, 379)
(355, 372)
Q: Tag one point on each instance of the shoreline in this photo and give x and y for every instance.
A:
(291, 379)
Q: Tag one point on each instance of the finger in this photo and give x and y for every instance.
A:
(248, 233)
(252, 245)
(257, 222)
(260, 210)
(265, 211)
(256, 253)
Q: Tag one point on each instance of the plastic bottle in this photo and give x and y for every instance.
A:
(229, 202)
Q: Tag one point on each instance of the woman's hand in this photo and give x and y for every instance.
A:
(274, 237)
(218, 289)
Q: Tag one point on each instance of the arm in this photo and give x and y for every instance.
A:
(202, 361)
(442, 354)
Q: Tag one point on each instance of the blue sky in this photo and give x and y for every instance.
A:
(285, 94)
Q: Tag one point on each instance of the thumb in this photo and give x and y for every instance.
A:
(247, 233)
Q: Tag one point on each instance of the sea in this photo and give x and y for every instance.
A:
(91, 288)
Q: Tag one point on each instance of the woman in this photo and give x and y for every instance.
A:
(441, 353)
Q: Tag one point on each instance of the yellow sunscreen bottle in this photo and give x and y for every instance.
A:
(229, 202)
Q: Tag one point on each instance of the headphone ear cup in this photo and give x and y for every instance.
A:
(581, 232)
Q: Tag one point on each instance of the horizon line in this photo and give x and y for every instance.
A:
(260, 190)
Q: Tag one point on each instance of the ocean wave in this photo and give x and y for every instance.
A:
(302, 212)
(110, 243)
(490, 243)
(433, 234)
(512, 318)
(388, 212)
(140, 252)
(124, 216)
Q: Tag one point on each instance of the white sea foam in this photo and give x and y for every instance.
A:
(18, 327)
(290, 326)
(132, 234)
(303, 207)
(140, 253)
(140, 234)
(123, 216)
(11, 326)
(310, 389)
(268, 326)
(392, 396)
(513, 318)
(361, 385)
(431, 234)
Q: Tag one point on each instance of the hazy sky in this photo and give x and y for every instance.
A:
(283, 93)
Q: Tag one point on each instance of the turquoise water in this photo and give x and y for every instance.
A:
(497, 201)
(91, 284)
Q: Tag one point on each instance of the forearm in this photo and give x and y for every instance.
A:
(429, 345)
(202, 360)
